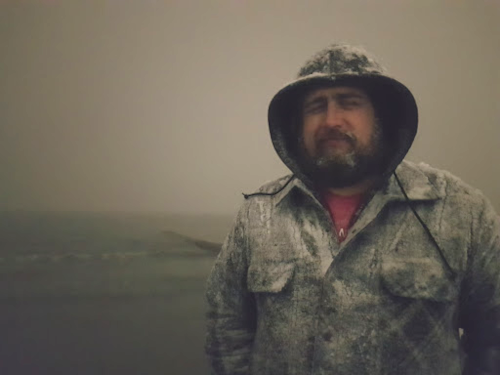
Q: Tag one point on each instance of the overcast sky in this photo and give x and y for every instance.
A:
(144, 105)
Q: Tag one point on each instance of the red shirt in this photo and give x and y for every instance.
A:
(342, 209)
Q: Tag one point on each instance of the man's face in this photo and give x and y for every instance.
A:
(341, 141)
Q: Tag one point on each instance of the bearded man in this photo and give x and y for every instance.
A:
(359, 262)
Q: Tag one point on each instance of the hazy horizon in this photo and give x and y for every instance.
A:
(161, 106)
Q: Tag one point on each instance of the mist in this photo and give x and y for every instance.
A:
(162, 105)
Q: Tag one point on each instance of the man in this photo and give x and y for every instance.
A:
(359, 262)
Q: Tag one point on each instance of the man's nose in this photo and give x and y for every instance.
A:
(334, 115)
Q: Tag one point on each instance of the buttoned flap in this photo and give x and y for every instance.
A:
(420, 278)
(269, 277)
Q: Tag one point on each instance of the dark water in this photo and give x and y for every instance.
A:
(103, 294)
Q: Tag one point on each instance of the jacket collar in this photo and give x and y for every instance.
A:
(415, 182)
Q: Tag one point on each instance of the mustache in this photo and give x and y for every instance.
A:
(326, 134)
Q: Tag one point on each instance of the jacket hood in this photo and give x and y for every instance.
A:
(344, 65)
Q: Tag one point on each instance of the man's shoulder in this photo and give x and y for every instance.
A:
(443, 181)
(262, 198)
(273, 186)
(257, 204)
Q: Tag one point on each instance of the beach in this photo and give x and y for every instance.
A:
(112, 295)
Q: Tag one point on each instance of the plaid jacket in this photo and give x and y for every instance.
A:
(285, 298)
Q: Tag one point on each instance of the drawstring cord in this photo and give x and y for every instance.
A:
(450, 270)
(273, 193)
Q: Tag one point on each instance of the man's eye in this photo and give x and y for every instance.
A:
(315, 108)
(351, 103)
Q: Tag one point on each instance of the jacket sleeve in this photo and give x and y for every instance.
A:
(480, 302)
(231, 308)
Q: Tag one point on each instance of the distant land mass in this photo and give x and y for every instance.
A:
(213, 247)
(61, 233)
(61, 255)
(208, 227)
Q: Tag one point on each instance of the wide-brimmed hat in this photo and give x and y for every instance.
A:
(345, 65)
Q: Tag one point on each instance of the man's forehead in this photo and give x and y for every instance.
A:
(334, 91)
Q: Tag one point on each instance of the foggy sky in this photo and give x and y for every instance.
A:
(144, 105)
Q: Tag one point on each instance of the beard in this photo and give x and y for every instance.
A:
(331, 168)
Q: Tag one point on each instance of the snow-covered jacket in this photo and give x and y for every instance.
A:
(286, 298)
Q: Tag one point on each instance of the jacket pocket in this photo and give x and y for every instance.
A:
(269, 277)
(419, 278)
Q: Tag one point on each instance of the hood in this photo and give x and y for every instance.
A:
(344, 65)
